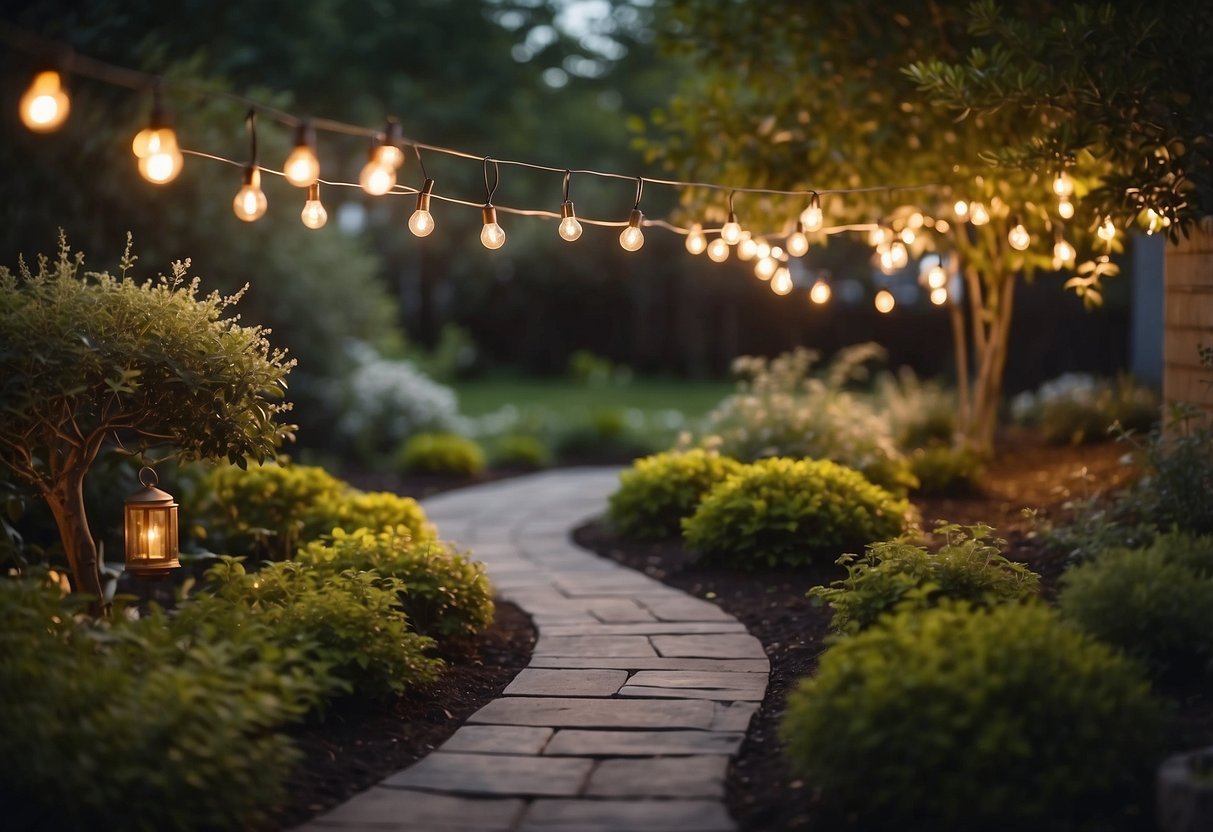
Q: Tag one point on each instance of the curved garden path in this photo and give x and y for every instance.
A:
(635, 698)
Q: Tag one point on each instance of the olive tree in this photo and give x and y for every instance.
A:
(88, 360)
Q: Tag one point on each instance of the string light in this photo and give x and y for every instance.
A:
(1106, 230)
(730, 232)
(762, 250)
(718, 250)
(1063, 252)
(960, 209)
(384, 160)
(632, 237)
(45, 105)
(908, 236)
(696, 241)
(421, 223)
(376, 179)
(492, 235)
(812, 218)
(781, 282)
(250, 202)
(898, 255)
(302, 168)
(820, 293)
(878, 236)
(313, 215)
(570, 228)
(885, 301)
(1063, 185)
(1018, 237)
(937, 278)
(765, 268)
(939, 296)
(797, 242)
(155, 146)
(1065, 208)
(747, 248)
(978, 215)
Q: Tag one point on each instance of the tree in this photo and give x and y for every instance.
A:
(87, 359)
(790, 95)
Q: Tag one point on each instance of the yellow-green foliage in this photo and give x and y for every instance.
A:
(894, 576)
(786, 512)
(373, 510)
(944, 470)
(519, 450)
(954, 719)
(446, 594)
(441, 453)
(658, 491)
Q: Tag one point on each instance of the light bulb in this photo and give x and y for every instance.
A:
(421, 223)
(1155, 221)
(161, 167)
(388, 156)
(696, 241)
(1065, 208)
(936, 277)
(908, 236)
(765, 268)
(747, 248)
(314, 216)
(886, 262)
(632, 238)
(718, 250)
(942, 226)
(377, 179)
(302, 168)
(1063, 185)
(777, 252)
(1018, 237)
(492, 235)
(1063, 252)
(570, 228)
(798, 243)
(811, 218)
(820, 293)
(45, 105)
(960, 209)
(885, 301)
(939, 296)
(250, 202)
(916, 220)
(781, 282)
(898, 255)
(730, 232)
(978, 215)
(762, 250)
(878, 236)
(1106, 230)
(155, 146)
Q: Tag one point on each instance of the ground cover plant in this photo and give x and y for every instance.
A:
(658, 491)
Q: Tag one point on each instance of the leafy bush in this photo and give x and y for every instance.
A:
(445, 594)
(1077, 408)
(374, 510)
(786, 512)
(942, 470)
(1193, 552)
(519, 450)
(1142, 602)
(352, 621)
(1179, 474)
(958, 719)
(896, 575)
(104, 718)
(780, 410)
(658, 491)
(441, 453)
(609, 435)
(920, 413)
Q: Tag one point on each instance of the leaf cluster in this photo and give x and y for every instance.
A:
(441, 453)
(658, 491)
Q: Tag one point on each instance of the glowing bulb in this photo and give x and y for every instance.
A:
(421, 223)
(908, 236)
(377, 179)
(492, 236)
(798, 243)
(718, 250)
(570, 229)
(1155, 221)
(898, 255)
(1106, 230)
(763, 249)
(314, 216)
(777, 252)
(302, 168)
(632, 238)
(388, 155)
(960, 209)
(1065, 208)
(730, 232)
(765, 268)
(978, 215)
(942, 226)
(1063, 185)
(1063, 252)
(937, 277)
(45, 105)
(250, 202)
(160, 160)
(747, 248)
(1018, 237)
(939, 296)
(878, 236)
(916, 220)
(885, 301)
(811, 217)
(820, 293)
(696, 241)
(781, 282)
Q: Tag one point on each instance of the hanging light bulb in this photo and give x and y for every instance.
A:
(632, 237)
(696, 241)
(781, 282)
(939, 296)
(421, 223)
(1106, 230)
(797, 242)
(1063, 185)
(820, 293)
(718, 250)
(916, 220)
(1065, 208)
(1018, 237)
(155, 146)
(730, 232)
(747, 248)
(811, 218)
(885, 301)
(765, 268)
(492, 235)
(978, 215)
(45, 105)
(387, 152)
(569, 229)
(250, 202)
(878, 236)
(1155, 221)
(763, 249)
(960, 209)
(908, 236)
(302, 168)
(936, 277)
(1063, 252)
(898, 255)
(376, 178)
(314, 216)
(942, 226)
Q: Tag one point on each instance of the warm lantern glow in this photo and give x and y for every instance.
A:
(820, 293)
(45, 105)
(150, 518)
(696, 241)
(313, 215)
(492, 235)
(250, 202)
(885, 301)
(718, 250)
(421, 223)
(632, 237)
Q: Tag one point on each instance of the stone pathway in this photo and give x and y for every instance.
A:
(635, 698)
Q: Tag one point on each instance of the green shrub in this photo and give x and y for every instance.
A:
(1179, 474)
(1139, 601)
(445, 594)
(352, 621)
(441, 453)
(1077, 408)
(607, 435)
(1193, 552)
(139, 721)
(920, 413)
(658, 491)
(375, 510)
(785, 512)
(519, 450)
(957, 719)
(942, 470)
(895, 575)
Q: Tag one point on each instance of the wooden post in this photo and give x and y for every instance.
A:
(1188, 320)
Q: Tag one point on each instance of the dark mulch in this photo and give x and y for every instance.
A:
(763, 793)
(359, 742)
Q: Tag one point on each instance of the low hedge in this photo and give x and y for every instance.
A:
(658, 491)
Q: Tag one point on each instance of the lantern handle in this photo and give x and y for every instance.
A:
(144, 473)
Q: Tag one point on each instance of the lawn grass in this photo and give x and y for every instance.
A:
(567, 398)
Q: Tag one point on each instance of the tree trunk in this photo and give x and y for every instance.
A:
(66, 501)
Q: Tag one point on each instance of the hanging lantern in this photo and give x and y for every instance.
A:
(151, 529)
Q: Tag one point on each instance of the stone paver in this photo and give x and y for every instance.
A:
(635, 698)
